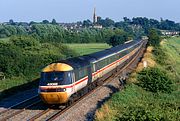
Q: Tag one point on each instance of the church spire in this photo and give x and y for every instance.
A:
(94, 16)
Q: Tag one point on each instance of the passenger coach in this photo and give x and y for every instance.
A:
(62, 80)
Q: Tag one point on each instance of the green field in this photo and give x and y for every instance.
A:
(84, 49)
(135, 103)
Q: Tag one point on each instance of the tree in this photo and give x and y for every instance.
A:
(54, 22)
(87, 23)
(154, 39)
(117, 39)
(106, 22)
(32, 22)
(11, 22)
(24, 41)
(127, 20)
(45, 22)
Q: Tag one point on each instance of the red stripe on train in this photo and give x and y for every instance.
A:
(95, 73)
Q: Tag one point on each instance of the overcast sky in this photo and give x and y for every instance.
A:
(78, 10)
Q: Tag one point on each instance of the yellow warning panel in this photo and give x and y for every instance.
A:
(54, 97)
(57, 67)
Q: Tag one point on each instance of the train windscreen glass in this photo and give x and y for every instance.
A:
(55, 78)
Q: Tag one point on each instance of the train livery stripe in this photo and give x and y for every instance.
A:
(104, 68)
(95, 73)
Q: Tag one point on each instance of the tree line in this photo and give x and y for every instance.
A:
(56, 33)
(25, 56)
(52, 31)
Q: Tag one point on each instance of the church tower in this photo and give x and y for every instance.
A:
(94, 16)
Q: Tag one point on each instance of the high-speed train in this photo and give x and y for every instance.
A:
(63, 80)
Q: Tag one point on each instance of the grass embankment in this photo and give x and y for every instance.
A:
(21, 83)
(136, 103)
(172, 48)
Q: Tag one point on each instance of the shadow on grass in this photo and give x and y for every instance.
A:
(16, 89)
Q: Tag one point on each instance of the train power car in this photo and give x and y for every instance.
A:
(63, 80)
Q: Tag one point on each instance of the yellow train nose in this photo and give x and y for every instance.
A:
(54, 97)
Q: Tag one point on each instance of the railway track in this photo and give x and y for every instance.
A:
(51, 114)
(19, 107)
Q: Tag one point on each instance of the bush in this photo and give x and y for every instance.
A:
(139, 113)
(117, 39)
(11, 58)
(26, 56)
(154, 38)
(24, 41)
(161, 56)
(155, 80)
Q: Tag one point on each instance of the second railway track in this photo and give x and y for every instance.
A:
(19, 107)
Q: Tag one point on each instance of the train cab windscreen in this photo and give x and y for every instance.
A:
(55, 78)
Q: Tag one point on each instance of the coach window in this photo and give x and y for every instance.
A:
(83, 72)
(76, 75)
(98, 65)
(93, 68)
(120, 55)
(102, 63)
(80, 73)
(107, 61)
(123, 53)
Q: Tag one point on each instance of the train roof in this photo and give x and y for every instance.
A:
(104, 53)
(85, 60)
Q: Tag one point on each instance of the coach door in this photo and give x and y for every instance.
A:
(73, 81)
(89, 74)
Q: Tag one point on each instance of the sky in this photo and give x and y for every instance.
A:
(79, 10)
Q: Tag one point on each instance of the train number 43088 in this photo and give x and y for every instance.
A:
(52, 84)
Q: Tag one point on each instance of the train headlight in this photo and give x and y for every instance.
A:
(61, 90)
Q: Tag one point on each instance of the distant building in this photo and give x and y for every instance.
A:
(71, 26)
(169, 33)
(97, 26)
(144, 38)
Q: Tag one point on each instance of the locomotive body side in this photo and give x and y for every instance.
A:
(81, 71)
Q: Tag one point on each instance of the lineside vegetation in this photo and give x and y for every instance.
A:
(151, 94)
